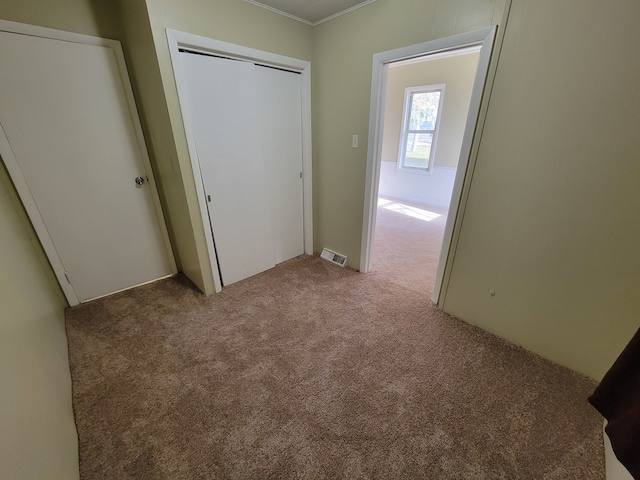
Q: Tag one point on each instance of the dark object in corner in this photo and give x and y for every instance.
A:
(617, 398)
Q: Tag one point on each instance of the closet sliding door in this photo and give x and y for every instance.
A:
(246, 125)
(280, 100)
(223, 106)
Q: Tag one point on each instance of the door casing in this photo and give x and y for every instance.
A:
(485, 38)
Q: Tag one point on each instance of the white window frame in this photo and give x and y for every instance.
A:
(404, 134)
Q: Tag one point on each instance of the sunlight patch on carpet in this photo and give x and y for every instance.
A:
(410, 211)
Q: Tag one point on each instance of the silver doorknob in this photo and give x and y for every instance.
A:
(139, 180)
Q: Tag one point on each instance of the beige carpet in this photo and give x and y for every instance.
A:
(407, 244)
(314, 371)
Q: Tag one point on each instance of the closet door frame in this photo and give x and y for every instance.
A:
(178, 40)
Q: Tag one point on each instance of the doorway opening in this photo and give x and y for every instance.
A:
(425, 112)
(482, 39)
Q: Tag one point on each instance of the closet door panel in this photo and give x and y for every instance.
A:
(224, 113)
(281, 111)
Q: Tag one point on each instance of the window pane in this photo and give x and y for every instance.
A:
(424, 110)
(418, 150)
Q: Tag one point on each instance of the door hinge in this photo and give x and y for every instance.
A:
(66, 275)
(300, 174)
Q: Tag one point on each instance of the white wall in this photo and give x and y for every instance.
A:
(434, 189)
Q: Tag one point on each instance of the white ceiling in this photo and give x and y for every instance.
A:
(312, 12)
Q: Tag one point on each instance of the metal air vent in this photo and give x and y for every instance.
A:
(334, 257)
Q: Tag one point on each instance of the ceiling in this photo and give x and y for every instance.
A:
(311, 12)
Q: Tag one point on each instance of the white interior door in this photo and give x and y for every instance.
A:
(246, 123)
(223, 109)
(73, 143)
(280, 102)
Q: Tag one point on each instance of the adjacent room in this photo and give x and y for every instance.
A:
(172, 171)
(424, 118)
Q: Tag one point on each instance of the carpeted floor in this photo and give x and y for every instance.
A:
(314, 371)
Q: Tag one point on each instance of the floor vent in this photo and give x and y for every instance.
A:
(334, 257)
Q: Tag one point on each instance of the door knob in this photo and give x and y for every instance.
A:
(139, 180)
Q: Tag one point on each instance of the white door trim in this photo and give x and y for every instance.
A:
(181, 40)
(16, 174)
(483, 38)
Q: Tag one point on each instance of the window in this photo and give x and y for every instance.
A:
(421, 120)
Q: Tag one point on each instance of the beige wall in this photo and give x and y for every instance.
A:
(147, 86)
(89, 17)
(458, 74)
(343, 56)
(228, 20)
(552, 221)
(37, 430)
